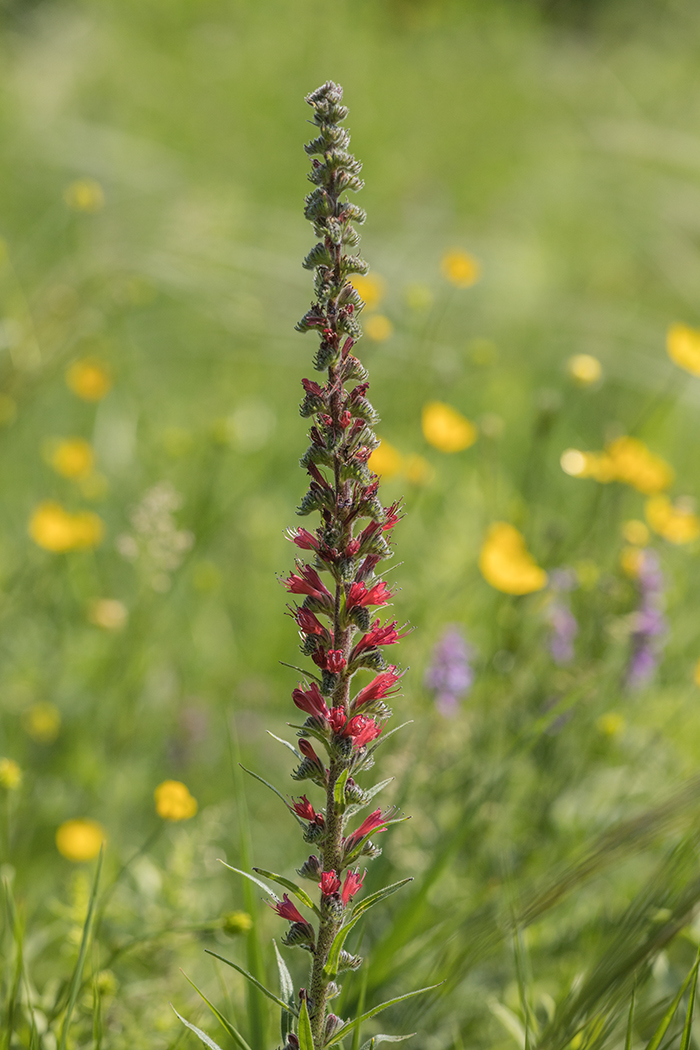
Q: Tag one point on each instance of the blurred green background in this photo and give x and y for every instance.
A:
(151, 224)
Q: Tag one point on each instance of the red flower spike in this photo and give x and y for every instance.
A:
(362, 730)
(330, 883)
(374, 822)
(308, 581)
(383, 685)
(287, 910)
(311, 701)
(353, 881)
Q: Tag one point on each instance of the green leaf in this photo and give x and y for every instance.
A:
(278, 793)
(207, 1040)
(385, 736)
(306, 1039)
(630, 1018)
(685, 1040)
(292, 887)
(342, 1032)
(374, 898)
(252, 878)
(286, 743)
(339, 791)
(660, 1032)
(77, 977)
(254, 981)
(330, 970)
(226, 1024)
(377, 1039)
(286, 991)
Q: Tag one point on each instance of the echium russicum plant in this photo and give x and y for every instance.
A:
(335, 588)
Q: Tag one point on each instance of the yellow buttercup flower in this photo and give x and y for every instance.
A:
(10, 774)
(584, 369)
(84, 195)
(80, 839)
(42, 722)
(626, 459)
(108, 613)
(89, 378)
(447, 429)
(73, 458)
(610, 724)
(636, 465)
(506, 563)
(370, 287)
(386, 460)
(174, 802)
(54, 528)
(676, 523)
(696, 673)
(636, 532)
(379, 328)
(683, 346)
(460, 268)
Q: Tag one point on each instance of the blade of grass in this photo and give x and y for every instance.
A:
(76, 980)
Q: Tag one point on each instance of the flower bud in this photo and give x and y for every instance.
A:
(311, 869)
(347, 961)
(300, 935)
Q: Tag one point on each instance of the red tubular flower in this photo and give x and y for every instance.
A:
(312, 388)
(383, 685)
(359, 594)
(374, 822)
(393, 516)
(380, 634)
(353, 881)
(306, 811)
(307, 751)
(308, 582)
(362, 730)
(335, 661)
(330, 883)
(337, 719)
(303, 538)
(311, 701)
(309, 623)
(287, 910)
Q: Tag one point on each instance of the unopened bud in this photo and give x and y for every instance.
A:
(311, 869)
(299, 935)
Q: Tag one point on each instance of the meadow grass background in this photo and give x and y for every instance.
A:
(559, 145)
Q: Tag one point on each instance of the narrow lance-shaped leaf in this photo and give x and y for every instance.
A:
(224, 1022)
(306, 1039)
(331, 968)
(287, 993)
(688, 1025)
(206, 1039)
(278, 793)
(341, 1033)
(253, 980)
(660, 1032)
(339, 791)
(292, 887)
(377, 1039)
(77, 977)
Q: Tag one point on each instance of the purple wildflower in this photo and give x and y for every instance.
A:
(649, 623)
(450, 675)
(563, 623)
